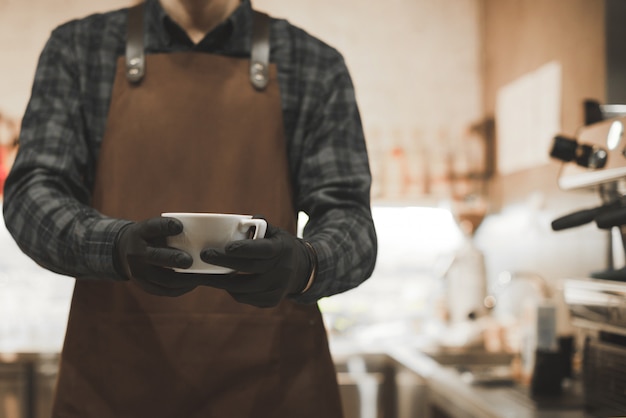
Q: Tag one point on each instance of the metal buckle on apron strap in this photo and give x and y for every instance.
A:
(259, 57)
(135, 59)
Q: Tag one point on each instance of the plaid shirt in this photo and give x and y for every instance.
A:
(47, 195)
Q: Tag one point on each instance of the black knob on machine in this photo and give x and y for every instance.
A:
(593, 112)
(563, 148)
(568, 149)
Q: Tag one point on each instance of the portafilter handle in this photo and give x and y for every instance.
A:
(575, 219)
(584, 216)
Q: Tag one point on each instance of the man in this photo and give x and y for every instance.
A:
(193, 106)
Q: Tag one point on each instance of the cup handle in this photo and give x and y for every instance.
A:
(259, 225)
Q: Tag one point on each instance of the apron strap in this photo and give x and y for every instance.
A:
(135, 59)
(259, 56)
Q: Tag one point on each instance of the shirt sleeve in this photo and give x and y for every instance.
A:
(333, 186)
(46, 197)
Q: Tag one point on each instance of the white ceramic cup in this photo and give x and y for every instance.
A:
(211, 230)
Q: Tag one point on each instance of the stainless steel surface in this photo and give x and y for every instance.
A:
(469, 357)
(613, 110)
(597, 304)
(598, 309)
(428, 381)
(450, 393)
(477, 366)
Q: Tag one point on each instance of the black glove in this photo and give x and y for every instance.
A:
(276, 266)
(141, 253)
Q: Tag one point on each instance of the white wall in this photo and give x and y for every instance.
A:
(415, 62)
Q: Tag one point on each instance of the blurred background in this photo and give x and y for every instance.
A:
(460, 101)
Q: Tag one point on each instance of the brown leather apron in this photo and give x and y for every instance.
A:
(194, 135)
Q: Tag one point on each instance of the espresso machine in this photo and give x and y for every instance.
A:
(595, 161)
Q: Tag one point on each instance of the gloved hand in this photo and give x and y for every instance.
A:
(141, 253)
(276, 266)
